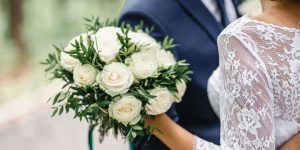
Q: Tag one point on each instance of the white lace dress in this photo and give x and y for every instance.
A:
(256, 88)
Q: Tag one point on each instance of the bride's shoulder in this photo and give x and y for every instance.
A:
(242, 26)
(245, 31)
(247, 28)
(254, 28)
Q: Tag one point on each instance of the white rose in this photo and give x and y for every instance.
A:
(115, 78)
(68, 62)
(107, 44)
(143, 41)
(161, 103)
(250, 7)
(165, 59)
(126, 110)
(84, 74)
(181, 87)
(143, 64)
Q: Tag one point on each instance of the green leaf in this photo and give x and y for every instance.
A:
(54, 112)
(61, 110)
(104, 103)
(133, 134)
(44, 63)
(167, 43)
(52, 66)
(67, 108)
(137, 128)
(56, 98)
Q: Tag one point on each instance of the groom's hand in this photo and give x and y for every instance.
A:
(292, 144)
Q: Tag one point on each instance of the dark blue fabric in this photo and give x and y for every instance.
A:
(195, 31)
(224, 16)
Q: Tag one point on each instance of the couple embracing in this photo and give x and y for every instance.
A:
(245, 90)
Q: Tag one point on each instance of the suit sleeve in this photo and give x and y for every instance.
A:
(135, 17)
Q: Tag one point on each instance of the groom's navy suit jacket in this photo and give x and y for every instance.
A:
(195, 31)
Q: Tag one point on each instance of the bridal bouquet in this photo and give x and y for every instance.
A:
(115, 76)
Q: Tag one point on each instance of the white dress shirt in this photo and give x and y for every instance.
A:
(212, 6)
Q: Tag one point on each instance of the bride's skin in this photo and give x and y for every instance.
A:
(279, 12)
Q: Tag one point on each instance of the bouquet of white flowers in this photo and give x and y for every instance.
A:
(115, 76)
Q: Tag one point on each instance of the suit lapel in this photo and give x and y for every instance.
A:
(203, 17)
(236, 2)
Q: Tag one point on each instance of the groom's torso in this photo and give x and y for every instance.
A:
(195, 31)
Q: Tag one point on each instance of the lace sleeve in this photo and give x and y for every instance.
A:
(247, 110)
(214, 90)
(284, 129)
(200, 144)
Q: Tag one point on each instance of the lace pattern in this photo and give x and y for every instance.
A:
(200, 144)
(260, 75)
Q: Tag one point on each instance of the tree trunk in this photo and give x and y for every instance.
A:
(15, 16)
(16, 30)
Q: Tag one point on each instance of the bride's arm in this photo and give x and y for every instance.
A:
(246, 111)
(176, 137)
(173, 135)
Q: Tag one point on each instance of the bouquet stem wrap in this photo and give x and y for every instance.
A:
(90, 138)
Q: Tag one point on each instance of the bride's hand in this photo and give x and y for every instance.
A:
(292, 144)
(171, 134)
(155, 122)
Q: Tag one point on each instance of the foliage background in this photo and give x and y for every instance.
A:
(44, 22)
(25, 121)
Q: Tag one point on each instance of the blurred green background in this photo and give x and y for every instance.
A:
(28, 28)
